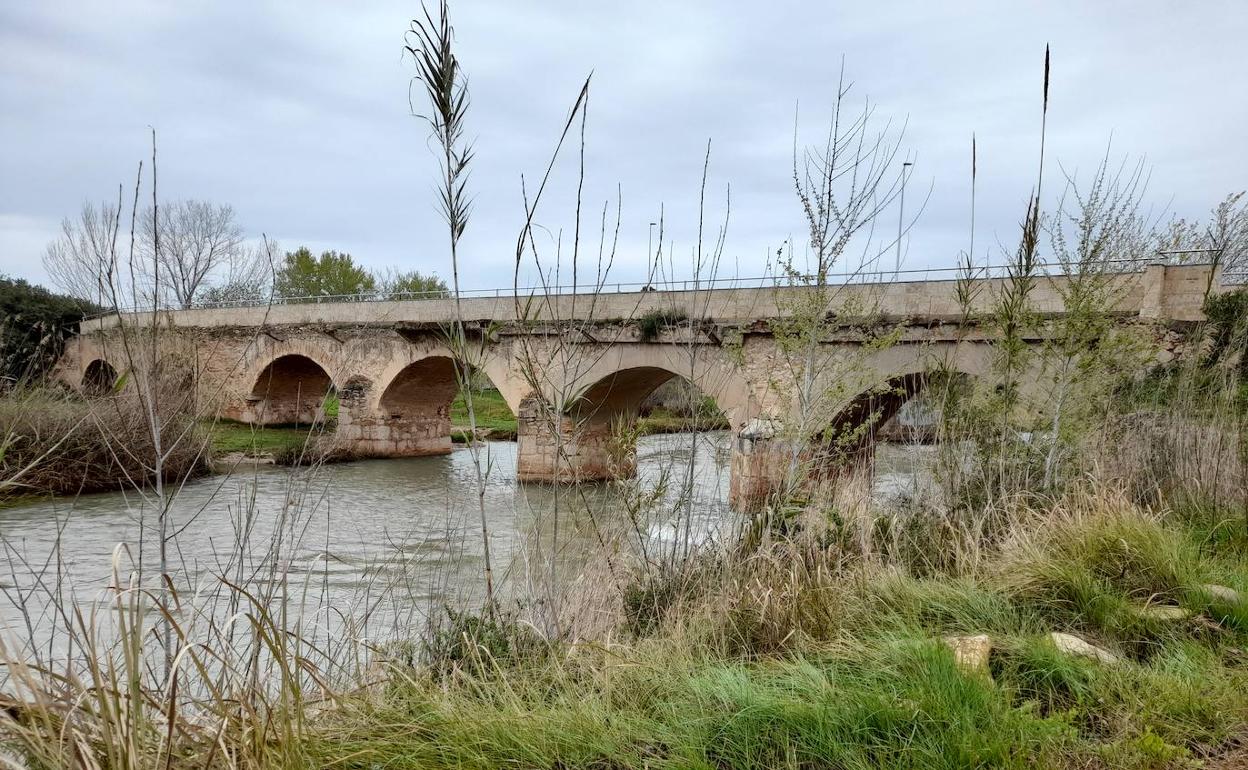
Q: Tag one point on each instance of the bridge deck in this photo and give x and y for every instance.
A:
(1173, 292)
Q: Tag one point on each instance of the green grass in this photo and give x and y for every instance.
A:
(494, 415)
(899, 704)
(663, 421)
(491, 410)
(230, 437)
(876, 688)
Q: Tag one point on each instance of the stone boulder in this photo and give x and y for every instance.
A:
(971, 653)
(1165, 612)
(1223, 594)
(1069, 644)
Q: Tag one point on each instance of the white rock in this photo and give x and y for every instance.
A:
(1221, 593)
(1070, 644)
(760, 428)
(1163, 612)
(970, 652)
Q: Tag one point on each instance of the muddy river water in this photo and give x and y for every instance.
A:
(388, 539)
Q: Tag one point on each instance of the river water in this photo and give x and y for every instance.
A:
(389, 541)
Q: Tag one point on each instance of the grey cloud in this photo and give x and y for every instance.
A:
(298, 115)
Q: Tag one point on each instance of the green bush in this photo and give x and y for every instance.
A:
(482, 645)
(651, 324)
(1228, 321)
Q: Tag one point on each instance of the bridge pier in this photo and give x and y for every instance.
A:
(757, 468)
(763, 463)
(371, 434)
(415, 430)
(563, 448)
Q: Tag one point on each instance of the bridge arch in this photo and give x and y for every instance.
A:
(492, 366)
(840, 433)
(99, 378)
(291, 389)
(892, 377)
(414, 407)
(618, 382)
(583, 442)
(406, 410)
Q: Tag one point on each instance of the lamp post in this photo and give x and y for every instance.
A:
(901, 213)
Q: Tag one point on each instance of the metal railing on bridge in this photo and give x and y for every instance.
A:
(907, 275)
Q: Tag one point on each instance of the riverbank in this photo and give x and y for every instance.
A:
(1099, 634)
(1108, 637)
(54, 442)
(495, 420)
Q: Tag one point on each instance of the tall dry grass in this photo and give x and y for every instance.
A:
(56, 442)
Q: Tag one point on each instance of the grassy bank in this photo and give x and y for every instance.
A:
(276, 442)
(769, 660)
(494, 415)
(864, 678)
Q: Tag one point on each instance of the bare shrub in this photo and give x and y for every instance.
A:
(57, 443)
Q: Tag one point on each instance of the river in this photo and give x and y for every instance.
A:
(382, 542)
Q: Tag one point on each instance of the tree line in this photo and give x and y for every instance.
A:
(194, 253)
(34, 324)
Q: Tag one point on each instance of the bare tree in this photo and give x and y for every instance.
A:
(80, 262)
(196, 239)
(246, 276)
(1222, 240)
(1227, 235)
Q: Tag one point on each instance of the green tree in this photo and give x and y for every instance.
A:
(413, 285)
(330, 275)
(34, 324)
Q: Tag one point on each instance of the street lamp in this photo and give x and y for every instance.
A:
(901, 213)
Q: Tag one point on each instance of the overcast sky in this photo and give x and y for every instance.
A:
(297, 115)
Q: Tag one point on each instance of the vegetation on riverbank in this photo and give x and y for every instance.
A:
(496, 421)
(52, 442)
(494, 418)
(803, 668)
(279, 443)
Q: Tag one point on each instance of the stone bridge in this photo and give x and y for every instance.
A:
(574, 368)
